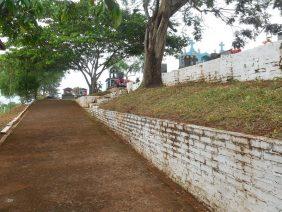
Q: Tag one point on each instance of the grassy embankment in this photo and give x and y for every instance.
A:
(8, 115)
(249, 107)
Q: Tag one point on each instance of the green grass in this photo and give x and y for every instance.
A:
(249, 107)
(5, 108)
(8, 115)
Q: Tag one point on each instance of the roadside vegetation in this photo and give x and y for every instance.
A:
(249, 107)
(4, 108)
(8, 112)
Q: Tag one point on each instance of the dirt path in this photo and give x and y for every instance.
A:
(60, 159)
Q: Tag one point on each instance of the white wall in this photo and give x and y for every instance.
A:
(226, 170)
(263, 63)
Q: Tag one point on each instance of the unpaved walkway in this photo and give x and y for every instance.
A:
(60, 159)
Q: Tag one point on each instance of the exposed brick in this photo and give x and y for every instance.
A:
(260, 144)
(273, 157)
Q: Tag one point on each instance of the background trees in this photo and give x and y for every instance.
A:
(252, 15)
(23, 74)
(91, 36)
(92, 44)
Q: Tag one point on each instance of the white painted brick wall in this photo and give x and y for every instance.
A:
(228, 171)
(84, 101)
(262, 63)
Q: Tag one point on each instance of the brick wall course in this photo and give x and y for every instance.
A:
(229, 171)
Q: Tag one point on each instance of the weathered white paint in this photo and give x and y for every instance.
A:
(85, 101)
(88, 101)
(262, 63)
(136, 85)
(226, 170)
(131, 86)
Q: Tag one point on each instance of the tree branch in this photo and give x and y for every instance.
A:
(145, 6)
(177, 4)
(81, 69)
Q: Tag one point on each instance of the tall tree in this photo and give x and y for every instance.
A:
(29, 71)
(251, 14)
(94, 43)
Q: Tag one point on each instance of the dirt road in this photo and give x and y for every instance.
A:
(61, 159)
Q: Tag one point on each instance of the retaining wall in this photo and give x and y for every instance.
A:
(85, 101)
(226, 170)
(262, 63)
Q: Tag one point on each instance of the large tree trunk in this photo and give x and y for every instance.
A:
(91, 90)
(93, 86)
(2, 46)
(155, 42)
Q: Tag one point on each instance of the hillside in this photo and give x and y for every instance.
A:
(249, 107)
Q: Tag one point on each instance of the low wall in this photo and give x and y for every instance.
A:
(226, 170)
(263, 63)
(85, 101)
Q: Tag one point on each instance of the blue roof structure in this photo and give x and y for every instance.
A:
(193, 52)
(201, 57)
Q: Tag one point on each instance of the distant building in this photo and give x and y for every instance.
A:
(77, 91)
(67, 90)
(68, 93)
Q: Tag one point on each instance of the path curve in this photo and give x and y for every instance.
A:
(61, 159)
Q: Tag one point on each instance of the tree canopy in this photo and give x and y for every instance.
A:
(17, 78)
(253, 16)
(47, 38)
(79, 36)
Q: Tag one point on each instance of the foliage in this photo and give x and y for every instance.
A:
(19, 76)
(6, 107)
(18, 16)
(252, 16)
(130, 66)
(93, 44)
(23, 84)
(89, 43)
(88, 36)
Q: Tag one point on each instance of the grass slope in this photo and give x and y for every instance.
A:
(249, 107)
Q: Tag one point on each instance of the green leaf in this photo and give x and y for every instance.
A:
(27, 3)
